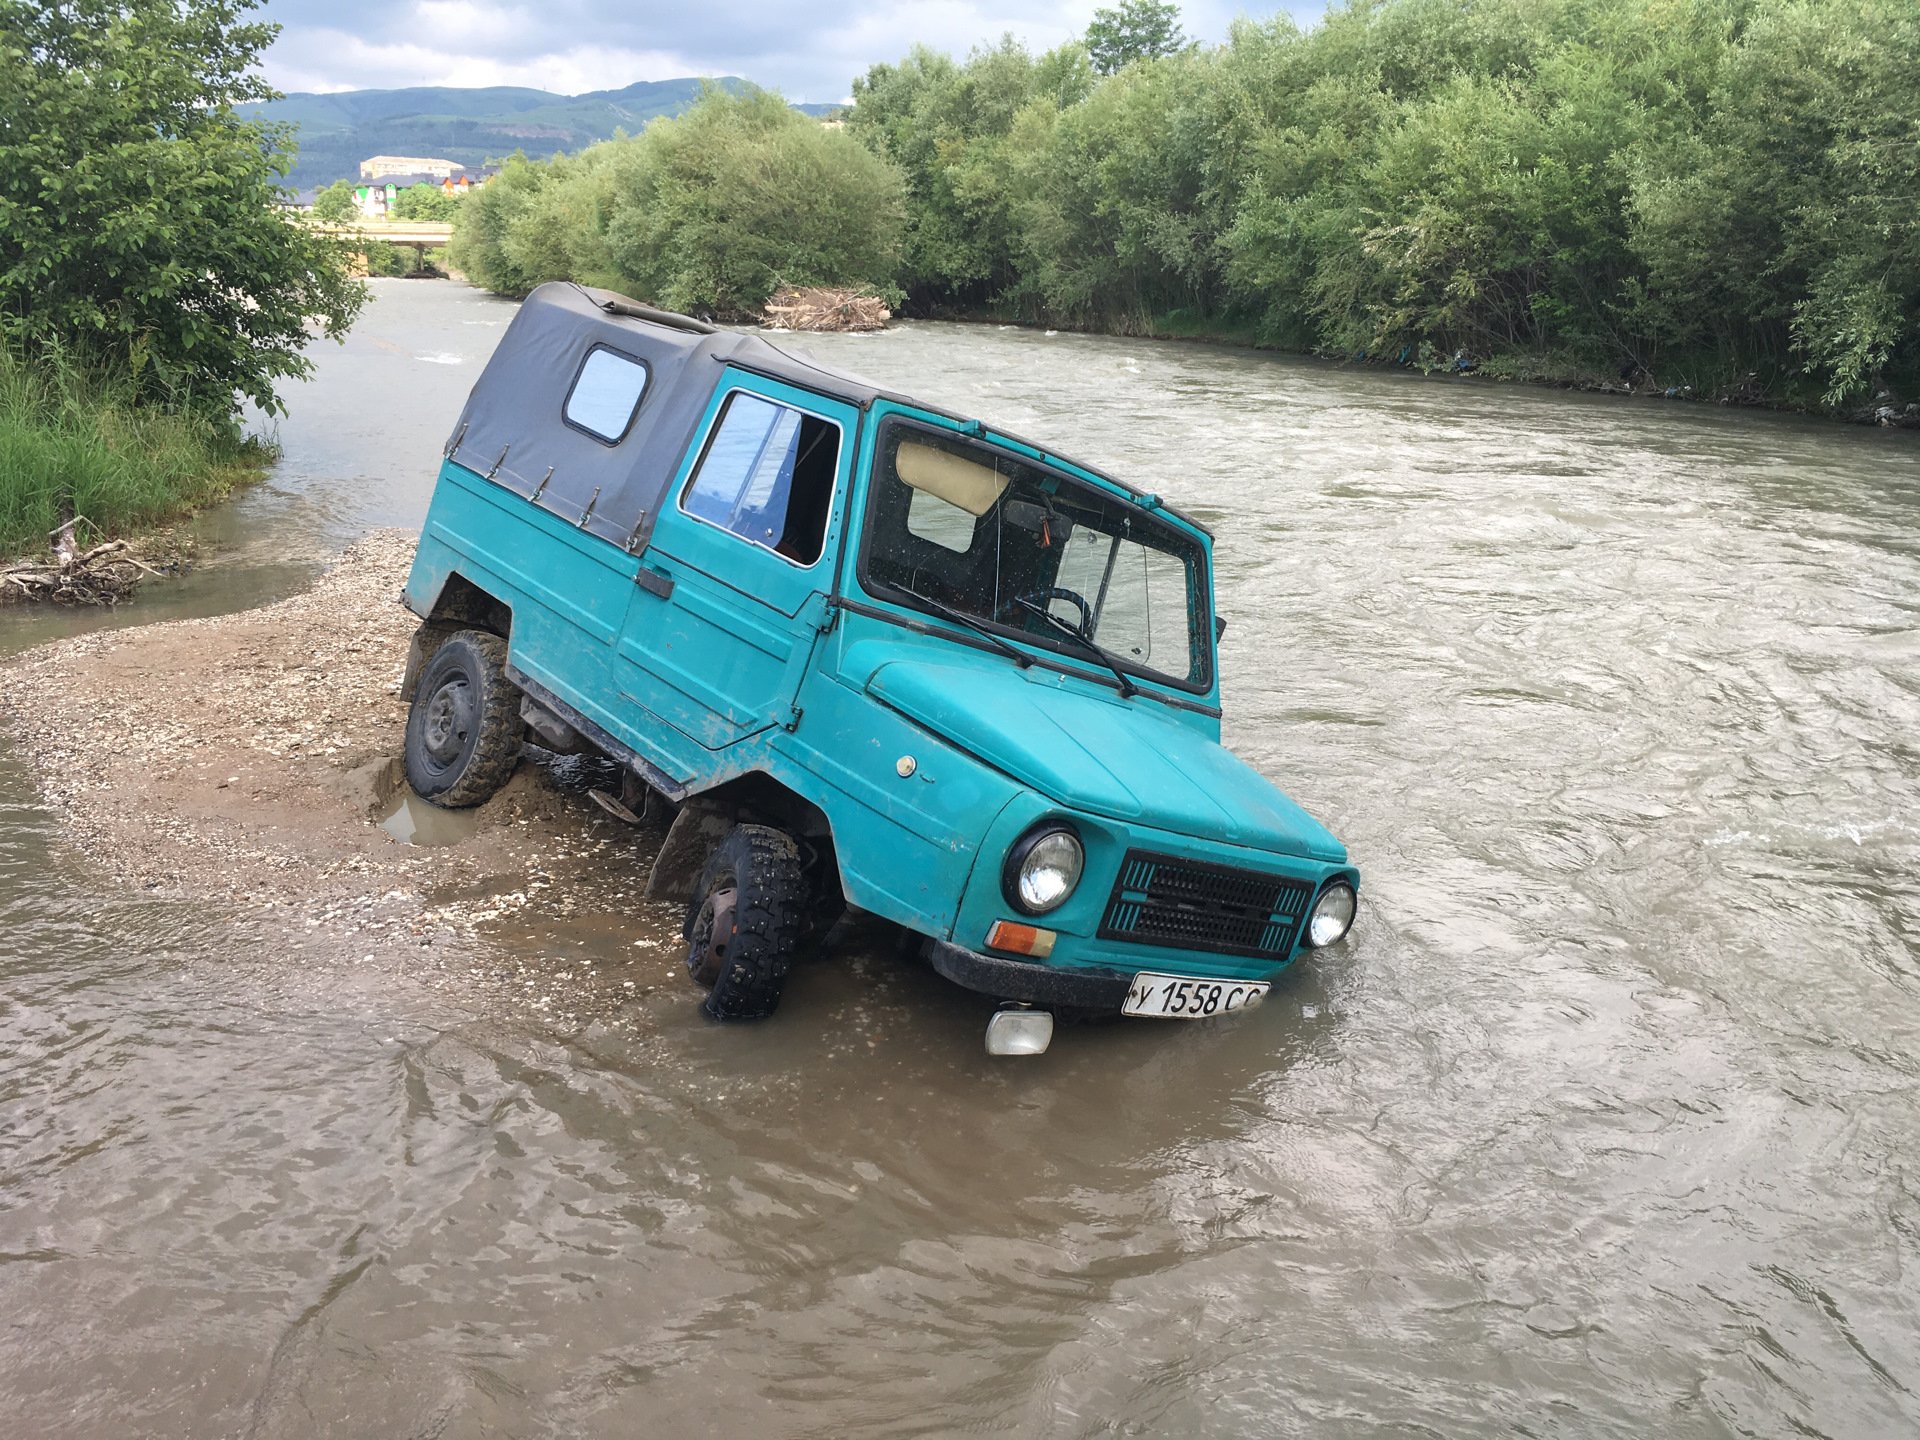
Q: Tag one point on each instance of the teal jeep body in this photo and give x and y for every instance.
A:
(865, 652)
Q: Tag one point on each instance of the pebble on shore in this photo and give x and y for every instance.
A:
(248, 759)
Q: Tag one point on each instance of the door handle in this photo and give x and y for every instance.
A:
(654, 582)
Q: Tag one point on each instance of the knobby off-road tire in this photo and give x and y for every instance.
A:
(746, 922)
(463, 731)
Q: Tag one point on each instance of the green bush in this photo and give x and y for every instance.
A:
(73, 443)
(425, 202)
(336, 204)
(501, 223)
(709, 211)
(385, 259)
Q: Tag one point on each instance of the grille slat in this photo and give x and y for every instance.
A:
(1192, 905)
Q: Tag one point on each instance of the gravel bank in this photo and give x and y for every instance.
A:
(250, 759)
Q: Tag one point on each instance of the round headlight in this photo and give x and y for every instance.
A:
(1332, 915)
(1042, 870)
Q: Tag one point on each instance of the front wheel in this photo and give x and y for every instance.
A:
(746, 922)
(463, 732)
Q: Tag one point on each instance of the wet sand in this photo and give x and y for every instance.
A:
(249, 760)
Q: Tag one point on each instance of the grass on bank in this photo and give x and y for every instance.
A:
(74, 442)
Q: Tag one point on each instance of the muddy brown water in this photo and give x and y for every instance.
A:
(1604, 1123)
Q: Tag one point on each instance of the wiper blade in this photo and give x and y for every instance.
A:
(1127, 688)
(960, 617)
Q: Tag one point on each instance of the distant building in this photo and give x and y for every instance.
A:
(375, 198)
(379, 167)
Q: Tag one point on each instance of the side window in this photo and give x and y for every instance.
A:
(605, 395)
(767, 475)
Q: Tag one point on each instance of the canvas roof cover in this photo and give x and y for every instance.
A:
(513, 431)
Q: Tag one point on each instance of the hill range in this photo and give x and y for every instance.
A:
(337, 131)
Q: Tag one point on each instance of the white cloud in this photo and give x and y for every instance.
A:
(805, 49)
(329, 60)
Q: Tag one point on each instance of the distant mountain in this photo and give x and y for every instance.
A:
(340, 130)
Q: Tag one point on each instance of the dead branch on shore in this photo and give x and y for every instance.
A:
(823, 309)
(105, 574)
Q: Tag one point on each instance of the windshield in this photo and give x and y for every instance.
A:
(998, 538)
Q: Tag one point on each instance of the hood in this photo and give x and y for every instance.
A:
(1127, 760)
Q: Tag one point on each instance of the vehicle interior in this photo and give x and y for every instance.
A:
(1032, 552)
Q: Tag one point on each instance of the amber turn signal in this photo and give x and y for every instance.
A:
(1021, 939)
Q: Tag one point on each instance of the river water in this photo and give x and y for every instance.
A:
(1603, 1123)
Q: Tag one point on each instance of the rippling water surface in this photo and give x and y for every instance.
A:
(1604, 1123)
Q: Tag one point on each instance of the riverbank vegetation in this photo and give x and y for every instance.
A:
(77, 444)
(1708, 197)
(709, 211)
(150, 283)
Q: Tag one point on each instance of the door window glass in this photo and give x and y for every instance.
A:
(605, 395)
(767, 475)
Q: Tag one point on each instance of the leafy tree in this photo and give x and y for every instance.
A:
(904, 113)
(425, 202)
(1782, 227)
(718, 207)
(336, 204)
(1111, 219)
(709, 211)
(1133, 30)
(1719, 193)
(139, 222)
(950, 130)
(490, 237)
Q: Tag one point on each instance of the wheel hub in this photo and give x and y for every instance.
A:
(710, 937)
(449, 721)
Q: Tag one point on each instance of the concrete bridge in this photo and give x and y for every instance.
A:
(419, 235)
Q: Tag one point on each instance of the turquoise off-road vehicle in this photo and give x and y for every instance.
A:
(867, 653)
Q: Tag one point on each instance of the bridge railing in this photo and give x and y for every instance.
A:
(420, 234)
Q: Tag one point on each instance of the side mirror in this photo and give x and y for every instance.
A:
(1219, 629)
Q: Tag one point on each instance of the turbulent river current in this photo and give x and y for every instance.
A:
(1603, 1123)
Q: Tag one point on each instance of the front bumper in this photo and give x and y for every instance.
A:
(1038, 984)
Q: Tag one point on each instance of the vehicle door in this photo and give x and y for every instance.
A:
(731, 597)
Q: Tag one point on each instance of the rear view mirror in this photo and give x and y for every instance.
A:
(1024, 515)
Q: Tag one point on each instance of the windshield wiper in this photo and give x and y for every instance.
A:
(960, 617)
(1127, 688)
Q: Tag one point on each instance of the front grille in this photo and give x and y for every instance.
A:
(1189, 904)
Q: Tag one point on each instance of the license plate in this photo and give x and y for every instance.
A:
(1180, 997)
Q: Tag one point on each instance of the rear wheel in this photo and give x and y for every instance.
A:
(746, 922)
(463, 731)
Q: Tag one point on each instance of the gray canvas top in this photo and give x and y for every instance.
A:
(513, 432)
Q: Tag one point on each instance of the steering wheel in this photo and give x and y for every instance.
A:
(1039, 600)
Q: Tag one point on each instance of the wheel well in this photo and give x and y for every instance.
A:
(465, 604)
(758, 798)
(755, 798)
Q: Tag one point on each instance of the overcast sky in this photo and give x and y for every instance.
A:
(805, 49)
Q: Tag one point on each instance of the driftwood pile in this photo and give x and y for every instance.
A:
(819, 308)
(104, 574)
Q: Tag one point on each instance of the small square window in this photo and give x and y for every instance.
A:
(605, 395)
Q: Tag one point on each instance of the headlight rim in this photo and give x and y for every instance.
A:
(1338, 882)
(1022, 848)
